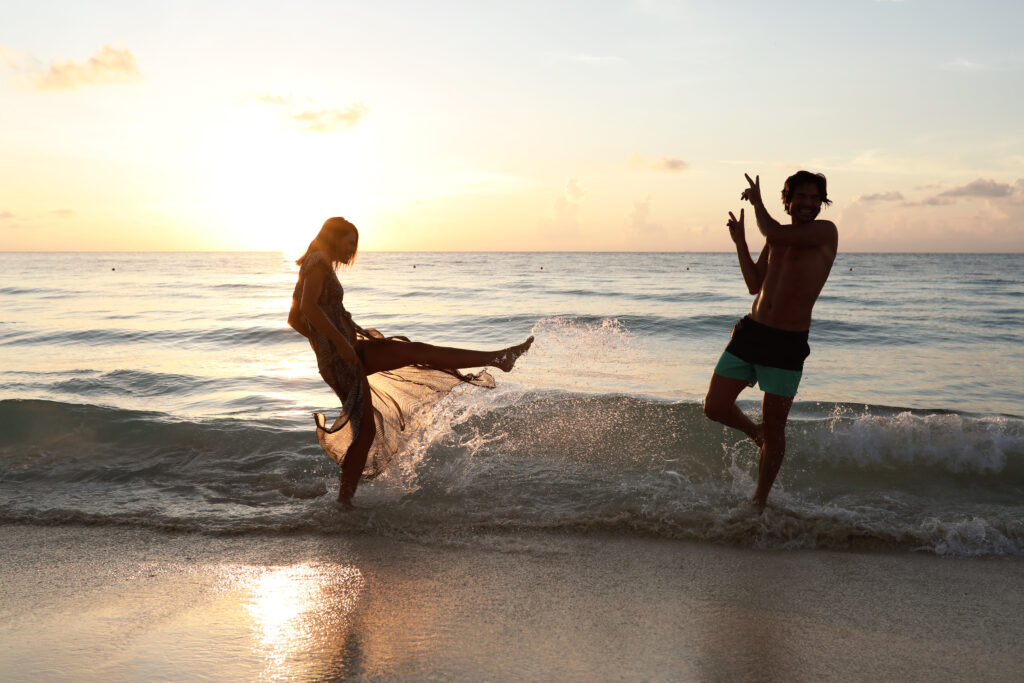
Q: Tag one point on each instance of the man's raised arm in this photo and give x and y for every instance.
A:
(808, 234)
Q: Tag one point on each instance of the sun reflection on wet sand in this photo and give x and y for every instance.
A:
(301, 616)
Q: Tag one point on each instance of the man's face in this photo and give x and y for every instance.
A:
(804, 203)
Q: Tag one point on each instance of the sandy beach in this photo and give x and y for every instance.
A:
(90, 604)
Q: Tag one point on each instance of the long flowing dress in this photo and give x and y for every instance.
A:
(399, 396)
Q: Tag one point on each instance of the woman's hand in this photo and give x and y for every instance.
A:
(347, 353)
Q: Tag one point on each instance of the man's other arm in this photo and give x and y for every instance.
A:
(812, 234)
(753, 273)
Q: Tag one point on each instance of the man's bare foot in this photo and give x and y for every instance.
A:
(759, 503)
(345, 501)
(506, 360)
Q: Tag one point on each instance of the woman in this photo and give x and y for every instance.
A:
(406, 376)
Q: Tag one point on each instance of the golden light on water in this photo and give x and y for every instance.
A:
(299, 612)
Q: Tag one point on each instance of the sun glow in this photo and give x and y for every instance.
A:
(273, 191)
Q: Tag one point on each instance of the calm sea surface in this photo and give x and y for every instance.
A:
(166, 390)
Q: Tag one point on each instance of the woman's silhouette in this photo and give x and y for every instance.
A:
(380, 380)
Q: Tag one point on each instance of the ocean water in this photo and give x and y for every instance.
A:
(166, 391)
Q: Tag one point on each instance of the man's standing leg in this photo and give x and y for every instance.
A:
(775, 412)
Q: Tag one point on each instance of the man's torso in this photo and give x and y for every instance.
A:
(792, 283)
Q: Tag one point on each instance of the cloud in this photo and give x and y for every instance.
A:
(567, 209)
(317, 120)
(932, 201)
(980, 188)
(107, 67)
(883, 197)
(12, 59)
(63, 213)
(641, 218)
(6, 216)
(574, 190)
(329, 120)
(670, 164)
(269, 98)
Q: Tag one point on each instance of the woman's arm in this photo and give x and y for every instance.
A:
(296, 321)
(311, 290)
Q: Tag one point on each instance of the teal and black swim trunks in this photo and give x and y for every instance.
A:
(768, 356)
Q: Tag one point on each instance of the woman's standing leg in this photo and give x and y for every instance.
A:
(355, 458)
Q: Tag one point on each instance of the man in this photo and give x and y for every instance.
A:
(769, 345)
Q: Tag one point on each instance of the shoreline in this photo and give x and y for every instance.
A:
(101, 603)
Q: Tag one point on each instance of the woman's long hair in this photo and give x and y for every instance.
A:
(327, 239)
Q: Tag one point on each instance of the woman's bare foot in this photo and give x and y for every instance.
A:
(345, 499)
(506, 360)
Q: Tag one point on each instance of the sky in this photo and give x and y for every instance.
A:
(509, 126)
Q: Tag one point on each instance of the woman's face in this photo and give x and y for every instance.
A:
(344, 245)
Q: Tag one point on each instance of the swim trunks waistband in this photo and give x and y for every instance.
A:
(762, 344)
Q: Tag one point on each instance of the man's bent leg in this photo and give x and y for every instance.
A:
(775, 412)
(720, 406)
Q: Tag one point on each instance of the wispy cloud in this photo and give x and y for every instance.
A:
(567, 207)
(63, 213)
(109, 66)
(6, 216)
(574, 190)
(932, 201)
(269, 98)
(19, 61)
(671, 164)
(641, 218)
(317, 120)
(328, 120)
(980, 188)
(892, 196)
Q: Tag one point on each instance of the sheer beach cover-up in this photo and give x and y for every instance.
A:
(399, 396)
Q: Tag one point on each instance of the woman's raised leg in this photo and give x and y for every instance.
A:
(384, 355)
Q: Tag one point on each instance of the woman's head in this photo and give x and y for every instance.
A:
(338, 240)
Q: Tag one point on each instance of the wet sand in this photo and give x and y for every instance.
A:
(91, 604)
